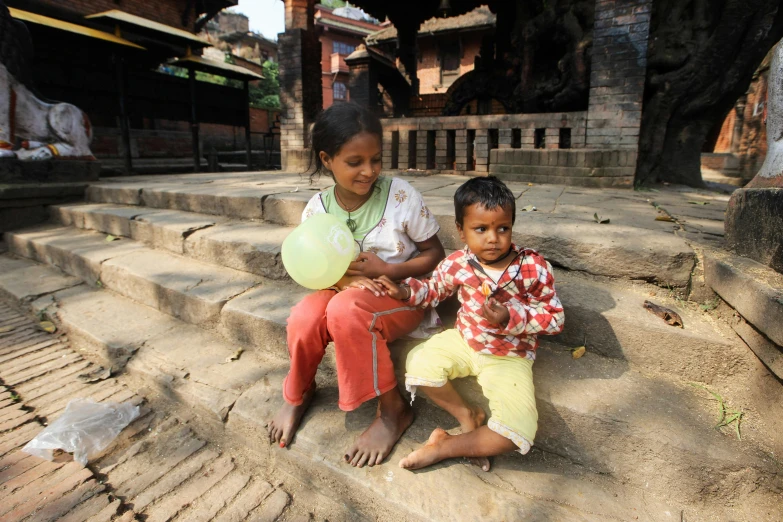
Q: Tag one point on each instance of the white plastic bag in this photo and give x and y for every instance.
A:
(85, 428)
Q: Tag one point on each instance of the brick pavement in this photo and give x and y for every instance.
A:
(156, 470)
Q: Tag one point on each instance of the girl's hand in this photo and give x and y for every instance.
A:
(495, 312)
(393, 289)
(368, 265)
(363, 283)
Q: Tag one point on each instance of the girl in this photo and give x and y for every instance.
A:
(396, 237)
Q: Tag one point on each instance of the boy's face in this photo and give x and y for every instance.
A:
(486, 232)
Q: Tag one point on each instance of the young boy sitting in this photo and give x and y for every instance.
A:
(508, 299)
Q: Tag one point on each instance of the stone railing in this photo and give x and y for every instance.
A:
(463, 143)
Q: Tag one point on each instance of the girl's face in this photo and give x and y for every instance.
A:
(357, 164)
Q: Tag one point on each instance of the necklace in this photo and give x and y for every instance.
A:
(350, 222)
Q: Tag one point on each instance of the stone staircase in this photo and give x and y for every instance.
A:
(167, 280)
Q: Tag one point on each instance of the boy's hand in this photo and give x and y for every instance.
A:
(495, 312)
(392, 289)
(368, 265)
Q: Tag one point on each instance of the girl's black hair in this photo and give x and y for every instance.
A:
(490, 192)
(334, 127)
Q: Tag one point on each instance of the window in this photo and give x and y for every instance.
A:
(342, 48)
(449, 64)
(539, 139)
(565, 138)
(339, 91)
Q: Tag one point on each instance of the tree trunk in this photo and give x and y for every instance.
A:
(702, 57)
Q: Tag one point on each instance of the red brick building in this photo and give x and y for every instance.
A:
(230, 32)
(339, 36)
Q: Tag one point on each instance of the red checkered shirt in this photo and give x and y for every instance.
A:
(526, 288)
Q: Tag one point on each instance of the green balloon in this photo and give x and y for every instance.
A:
(317, 253)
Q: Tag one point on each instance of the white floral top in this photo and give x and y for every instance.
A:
(405, 222)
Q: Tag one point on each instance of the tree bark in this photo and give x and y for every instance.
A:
(702, 56)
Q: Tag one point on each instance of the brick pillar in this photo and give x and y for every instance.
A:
(402, 156)
(386, 154)
(461, 150)
(618, 70)
(482, 150)
(441, 146)
(505, 137)
(421, 149)
(299, 54)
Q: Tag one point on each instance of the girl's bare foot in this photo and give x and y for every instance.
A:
(282, 428)
(428, 454)
(391, 420)
(471, 422)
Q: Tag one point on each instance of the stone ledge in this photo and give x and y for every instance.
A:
(752, 289)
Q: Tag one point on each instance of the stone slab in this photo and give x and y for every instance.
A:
(25, 280)
(326, 432)
(109, 327)
(187, 289)
(751, 288)
(168, 229)
(250, 247)
(78, 253)
(258, 317)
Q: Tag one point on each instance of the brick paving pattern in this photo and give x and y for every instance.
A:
(157, 469)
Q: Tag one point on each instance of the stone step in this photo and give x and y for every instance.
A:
(608, 317)
(606, 432)
(651, 254)
(250, 246)
(190, 290)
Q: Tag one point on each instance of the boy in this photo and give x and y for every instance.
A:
(508, 299)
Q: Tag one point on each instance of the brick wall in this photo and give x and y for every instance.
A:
(167, 12)
(428, 70)
(327, 78)
(619, 62)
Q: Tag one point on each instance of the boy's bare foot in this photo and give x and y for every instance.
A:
(472, 422)
(428, 454)
(282, 428)
(391, 420)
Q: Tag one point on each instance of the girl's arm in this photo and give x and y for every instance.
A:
(369, 265)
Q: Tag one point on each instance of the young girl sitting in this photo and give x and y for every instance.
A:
(396, 235)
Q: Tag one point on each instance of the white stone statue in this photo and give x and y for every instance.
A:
(30, 128)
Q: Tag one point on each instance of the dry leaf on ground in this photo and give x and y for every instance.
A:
(576, 353)
(47, 326)
(669, 316)
(234, 356)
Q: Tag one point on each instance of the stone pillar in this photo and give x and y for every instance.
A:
(754, 217)
(421, 149)
(299, 53)
(619, 64)
(441, 149)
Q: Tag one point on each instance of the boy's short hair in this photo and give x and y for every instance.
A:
(489, 191)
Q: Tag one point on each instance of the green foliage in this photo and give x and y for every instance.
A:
(266, 95)
(334, 4)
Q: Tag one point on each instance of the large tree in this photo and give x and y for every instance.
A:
(701, 58)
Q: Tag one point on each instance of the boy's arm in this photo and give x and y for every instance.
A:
(539, 311)
(433, 290)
